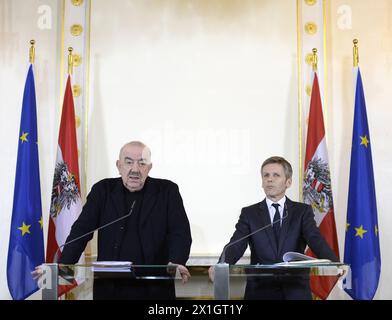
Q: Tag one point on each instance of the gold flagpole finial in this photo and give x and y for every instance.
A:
(32, 52)
(70, 60)
(355, 53)
(315, 60)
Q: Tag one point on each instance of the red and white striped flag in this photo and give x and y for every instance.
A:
(66, 203)
(317, 189)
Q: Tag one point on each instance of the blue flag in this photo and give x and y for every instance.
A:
(362, 248)
(26, 245)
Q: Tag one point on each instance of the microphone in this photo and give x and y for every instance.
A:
(55, 258)
(223, 256)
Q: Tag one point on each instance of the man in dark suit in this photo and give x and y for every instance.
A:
(293, 229)
(156, 233)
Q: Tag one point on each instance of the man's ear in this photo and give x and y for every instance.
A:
(288, 182)
(118, 165)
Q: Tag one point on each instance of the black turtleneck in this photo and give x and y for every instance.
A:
(131, 248)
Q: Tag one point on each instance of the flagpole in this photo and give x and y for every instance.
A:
(32, 52)
(355, 64)
(355, 53)
(362, 244)
(26, 251)
(70, 60)
(315, 60)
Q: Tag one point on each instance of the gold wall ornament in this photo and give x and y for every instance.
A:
(77, 59)
(77, 121)
(76, 90)
(310, 2)
(77, 2)
(76, 30)
(311, 28)
(308, 90)
(309, 59)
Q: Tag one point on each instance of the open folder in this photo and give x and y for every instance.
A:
(299, 258)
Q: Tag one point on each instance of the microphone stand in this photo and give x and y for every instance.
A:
(223, 256)
(51, 271)
(55, 258)
(221, 270)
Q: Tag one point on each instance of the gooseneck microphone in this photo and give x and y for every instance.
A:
(55, 258)
(223, 256)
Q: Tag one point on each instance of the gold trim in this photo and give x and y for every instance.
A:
(77, 124)
(300, 87)
(77, 2)
(308, 89)
(310, 2)
(309, 59)
(76, 90)
(76, 30)
(311, 28)
(77, 60)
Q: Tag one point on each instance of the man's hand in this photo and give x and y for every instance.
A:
(184, 272)
(37, 273)
(211, 273)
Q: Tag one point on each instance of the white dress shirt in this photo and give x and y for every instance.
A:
(272, 210)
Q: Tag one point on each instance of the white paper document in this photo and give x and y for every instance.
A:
(112, 266)
(299, 258)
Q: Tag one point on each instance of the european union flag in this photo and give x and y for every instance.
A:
(26, 246)
(362, 248)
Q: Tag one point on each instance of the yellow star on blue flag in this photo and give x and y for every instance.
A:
(25, 228)
(364, 141)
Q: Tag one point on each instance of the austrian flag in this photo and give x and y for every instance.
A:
(317, 190)
(66, 203)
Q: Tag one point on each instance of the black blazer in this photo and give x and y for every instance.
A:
(164, 229)
(298, 230)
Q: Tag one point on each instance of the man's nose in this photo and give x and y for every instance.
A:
(134, 167)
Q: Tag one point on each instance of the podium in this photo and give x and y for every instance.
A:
(225, 273)
(229, 281)
(57, 275)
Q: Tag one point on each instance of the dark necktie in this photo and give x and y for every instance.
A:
(276, 223)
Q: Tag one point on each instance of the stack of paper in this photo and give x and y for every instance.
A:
(299, 258)
(112, 266)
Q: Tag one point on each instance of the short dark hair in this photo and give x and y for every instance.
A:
(288, 170)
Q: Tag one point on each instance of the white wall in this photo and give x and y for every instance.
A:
(211, 86)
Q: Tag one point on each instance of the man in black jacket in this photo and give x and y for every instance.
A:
(156, 233)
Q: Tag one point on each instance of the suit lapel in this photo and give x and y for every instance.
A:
(266, 220)
(117, 198)
(149, 199)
